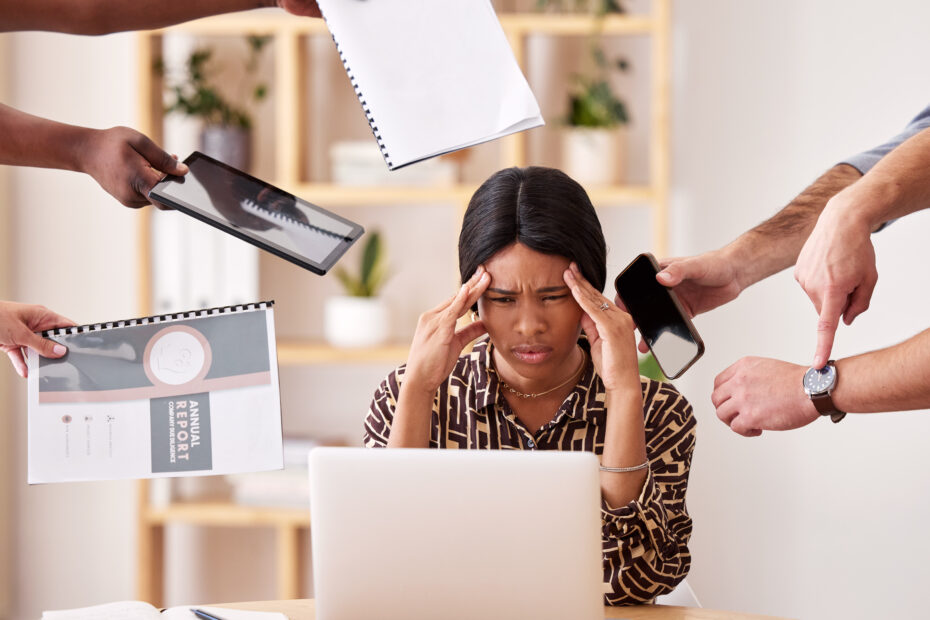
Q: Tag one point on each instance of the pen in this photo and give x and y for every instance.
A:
(204, 615)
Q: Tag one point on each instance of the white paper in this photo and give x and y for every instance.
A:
(435, 75)
(122, 610)
(137, 610)
(188, 396)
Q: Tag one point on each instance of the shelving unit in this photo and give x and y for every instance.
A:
(290, 80)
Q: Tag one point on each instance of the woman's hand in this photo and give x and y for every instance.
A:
(610, 332)
(437, 344)
(18, 322)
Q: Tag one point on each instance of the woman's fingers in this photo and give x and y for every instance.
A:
(469, 294)
(469, 333)
(589, 327)
(478, 288)
(463, 291)
(587, 297)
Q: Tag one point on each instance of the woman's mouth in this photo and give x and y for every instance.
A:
(531, 354)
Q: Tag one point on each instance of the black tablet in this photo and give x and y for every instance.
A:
(258, 212)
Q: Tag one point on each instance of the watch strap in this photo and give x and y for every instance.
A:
(824, 405)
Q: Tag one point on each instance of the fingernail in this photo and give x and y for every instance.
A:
(663, 276)
(59, 349)
(182, 168)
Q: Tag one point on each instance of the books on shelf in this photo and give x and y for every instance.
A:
(186, 394)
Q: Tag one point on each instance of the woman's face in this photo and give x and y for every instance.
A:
(530, 314)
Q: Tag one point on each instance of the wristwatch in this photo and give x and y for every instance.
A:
(818, 384)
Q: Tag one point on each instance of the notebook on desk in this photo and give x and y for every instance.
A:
(433, 76)
(138, 610)
(455, 534)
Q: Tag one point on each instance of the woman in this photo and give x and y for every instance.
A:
(532, 258)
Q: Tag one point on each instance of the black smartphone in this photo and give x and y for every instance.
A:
(658, 314)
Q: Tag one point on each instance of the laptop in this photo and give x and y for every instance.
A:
(408, 534)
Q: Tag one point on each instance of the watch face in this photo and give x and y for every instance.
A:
(819, 380)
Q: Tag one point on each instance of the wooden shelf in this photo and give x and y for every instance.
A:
(327, 195)
(295, 353)
(227, 514)
(276, 21)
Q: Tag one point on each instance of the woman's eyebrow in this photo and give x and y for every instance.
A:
(545, 289)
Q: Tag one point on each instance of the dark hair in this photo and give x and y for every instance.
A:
(542, 208)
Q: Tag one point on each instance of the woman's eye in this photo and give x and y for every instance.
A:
(554, 297)
(501, 300)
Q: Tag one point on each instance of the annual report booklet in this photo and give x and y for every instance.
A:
(433, 76)
(186, 394)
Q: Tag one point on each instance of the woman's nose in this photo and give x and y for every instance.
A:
(530, 321)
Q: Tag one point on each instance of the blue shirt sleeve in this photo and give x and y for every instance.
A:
(863, 162)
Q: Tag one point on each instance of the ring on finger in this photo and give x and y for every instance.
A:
(604, 306)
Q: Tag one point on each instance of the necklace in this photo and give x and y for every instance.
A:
(573, 377)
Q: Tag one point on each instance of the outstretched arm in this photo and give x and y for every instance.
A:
(757, 394)
(836, 267)
(714, 278)
(123, 161)
(94, 17)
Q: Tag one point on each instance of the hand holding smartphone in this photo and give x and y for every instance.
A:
(660, 317)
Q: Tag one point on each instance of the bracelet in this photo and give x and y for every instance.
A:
(623, 470)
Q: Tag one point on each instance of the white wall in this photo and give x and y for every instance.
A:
(72, 249)
(827, 521)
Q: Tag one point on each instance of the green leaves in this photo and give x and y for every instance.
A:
(595, 105)
(372, 273)
(592, 103)
(194, 95)
(598, 7)
(649, 367)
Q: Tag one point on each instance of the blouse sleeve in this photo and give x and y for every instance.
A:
(646, 542)
(381, 411)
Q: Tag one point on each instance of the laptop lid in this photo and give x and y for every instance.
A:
(455, 534)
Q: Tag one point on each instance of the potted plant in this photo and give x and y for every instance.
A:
(226, 120)
(594, 137)
(359, 318)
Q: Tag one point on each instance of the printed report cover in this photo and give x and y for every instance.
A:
(185, 394)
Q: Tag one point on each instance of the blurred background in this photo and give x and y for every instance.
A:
(762, 97)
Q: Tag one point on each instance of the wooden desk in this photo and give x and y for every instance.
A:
(304, 610)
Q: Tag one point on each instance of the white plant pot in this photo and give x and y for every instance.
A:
(355, 322)
(594, 156)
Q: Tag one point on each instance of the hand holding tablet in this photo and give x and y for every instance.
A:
(258, 212)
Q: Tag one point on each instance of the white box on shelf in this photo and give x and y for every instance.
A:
(360, 163)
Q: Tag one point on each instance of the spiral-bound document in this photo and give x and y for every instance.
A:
(433, 76)
(187, 394)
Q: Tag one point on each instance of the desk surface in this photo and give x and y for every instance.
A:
(304, 610)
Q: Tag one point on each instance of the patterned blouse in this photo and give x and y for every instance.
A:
(645, 543)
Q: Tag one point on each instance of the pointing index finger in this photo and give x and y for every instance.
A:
(830, 311)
